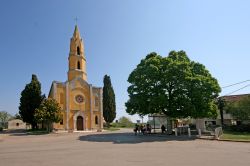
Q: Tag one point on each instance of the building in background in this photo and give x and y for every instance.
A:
(228, 118)
(15, 124)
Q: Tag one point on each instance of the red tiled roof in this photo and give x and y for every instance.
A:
(233, 98)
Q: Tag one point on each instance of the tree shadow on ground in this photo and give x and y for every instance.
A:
(23, 132)
(130, 138)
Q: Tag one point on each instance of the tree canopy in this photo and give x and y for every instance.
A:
(173, 85)
(31, 99)
(125, 122)
(109, 106)
(48, 112)
(4, 117)
(240, 110)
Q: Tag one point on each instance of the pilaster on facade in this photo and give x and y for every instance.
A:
(101, 109)
(67, 105)
(85, 121)
(54, 90)
(91, 109)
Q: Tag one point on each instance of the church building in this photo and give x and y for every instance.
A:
(81, 102)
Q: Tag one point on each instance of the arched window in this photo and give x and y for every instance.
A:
(96, 120)
(78, 50)
(78, 65)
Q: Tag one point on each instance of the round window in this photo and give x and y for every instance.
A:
(79, 98)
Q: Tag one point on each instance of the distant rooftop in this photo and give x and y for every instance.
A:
(235, 97)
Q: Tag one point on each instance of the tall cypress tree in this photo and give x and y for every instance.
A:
(31, 99)
(109, 108)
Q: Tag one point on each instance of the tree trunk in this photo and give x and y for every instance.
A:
(108, 124)
(169, 125)
(222, 117)
(48, 127)
(33, 126)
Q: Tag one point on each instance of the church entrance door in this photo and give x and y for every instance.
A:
(79, 123)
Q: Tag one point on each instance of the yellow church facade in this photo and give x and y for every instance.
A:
(81, 102)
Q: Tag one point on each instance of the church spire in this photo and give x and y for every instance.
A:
(77, 61)
(76, 33)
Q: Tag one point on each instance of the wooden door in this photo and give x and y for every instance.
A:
(79, 123)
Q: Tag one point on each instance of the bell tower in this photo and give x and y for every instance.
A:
(77, 61)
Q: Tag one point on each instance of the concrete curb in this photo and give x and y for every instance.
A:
(228, 140)
(225, 140)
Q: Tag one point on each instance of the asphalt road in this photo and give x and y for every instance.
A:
(118, 148)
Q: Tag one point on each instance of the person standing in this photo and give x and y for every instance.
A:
(163, 129)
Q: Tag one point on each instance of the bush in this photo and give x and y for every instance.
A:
(114, 125)
(212, 127)
(122, 125)
(123, 122)
(1, 129)
(238, 128)
(192, 126)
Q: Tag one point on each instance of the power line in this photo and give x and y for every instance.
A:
(237, 90)
(235, 84)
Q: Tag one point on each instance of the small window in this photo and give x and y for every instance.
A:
(96, 120)
(78, 51)
(96, 102)
(78, 65)
(17, 124)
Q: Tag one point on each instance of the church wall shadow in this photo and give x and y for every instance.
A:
(130, 138)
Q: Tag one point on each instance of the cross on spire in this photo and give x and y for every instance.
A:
(76, 20)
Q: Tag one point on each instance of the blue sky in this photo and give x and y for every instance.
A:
(35, 36)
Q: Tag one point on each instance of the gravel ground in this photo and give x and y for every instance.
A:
(121, 148)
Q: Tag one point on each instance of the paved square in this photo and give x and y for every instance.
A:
(118, 148)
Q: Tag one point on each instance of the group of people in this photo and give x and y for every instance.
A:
(146, 129)
(143, 129)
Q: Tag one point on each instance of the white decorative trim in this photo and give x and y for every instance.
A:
(81, 80)
(78, 70)
(75, 55)
(79, 113)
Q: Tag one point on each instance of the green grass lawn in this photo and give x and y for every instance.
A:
(111, 129)
(37, 132)
(236, 136)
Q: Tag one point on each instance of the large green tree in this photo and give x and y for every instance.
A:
(145, 92)
(240, 110)
(109, 106)
(31, 99)
(173, 85)
(48, 112)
